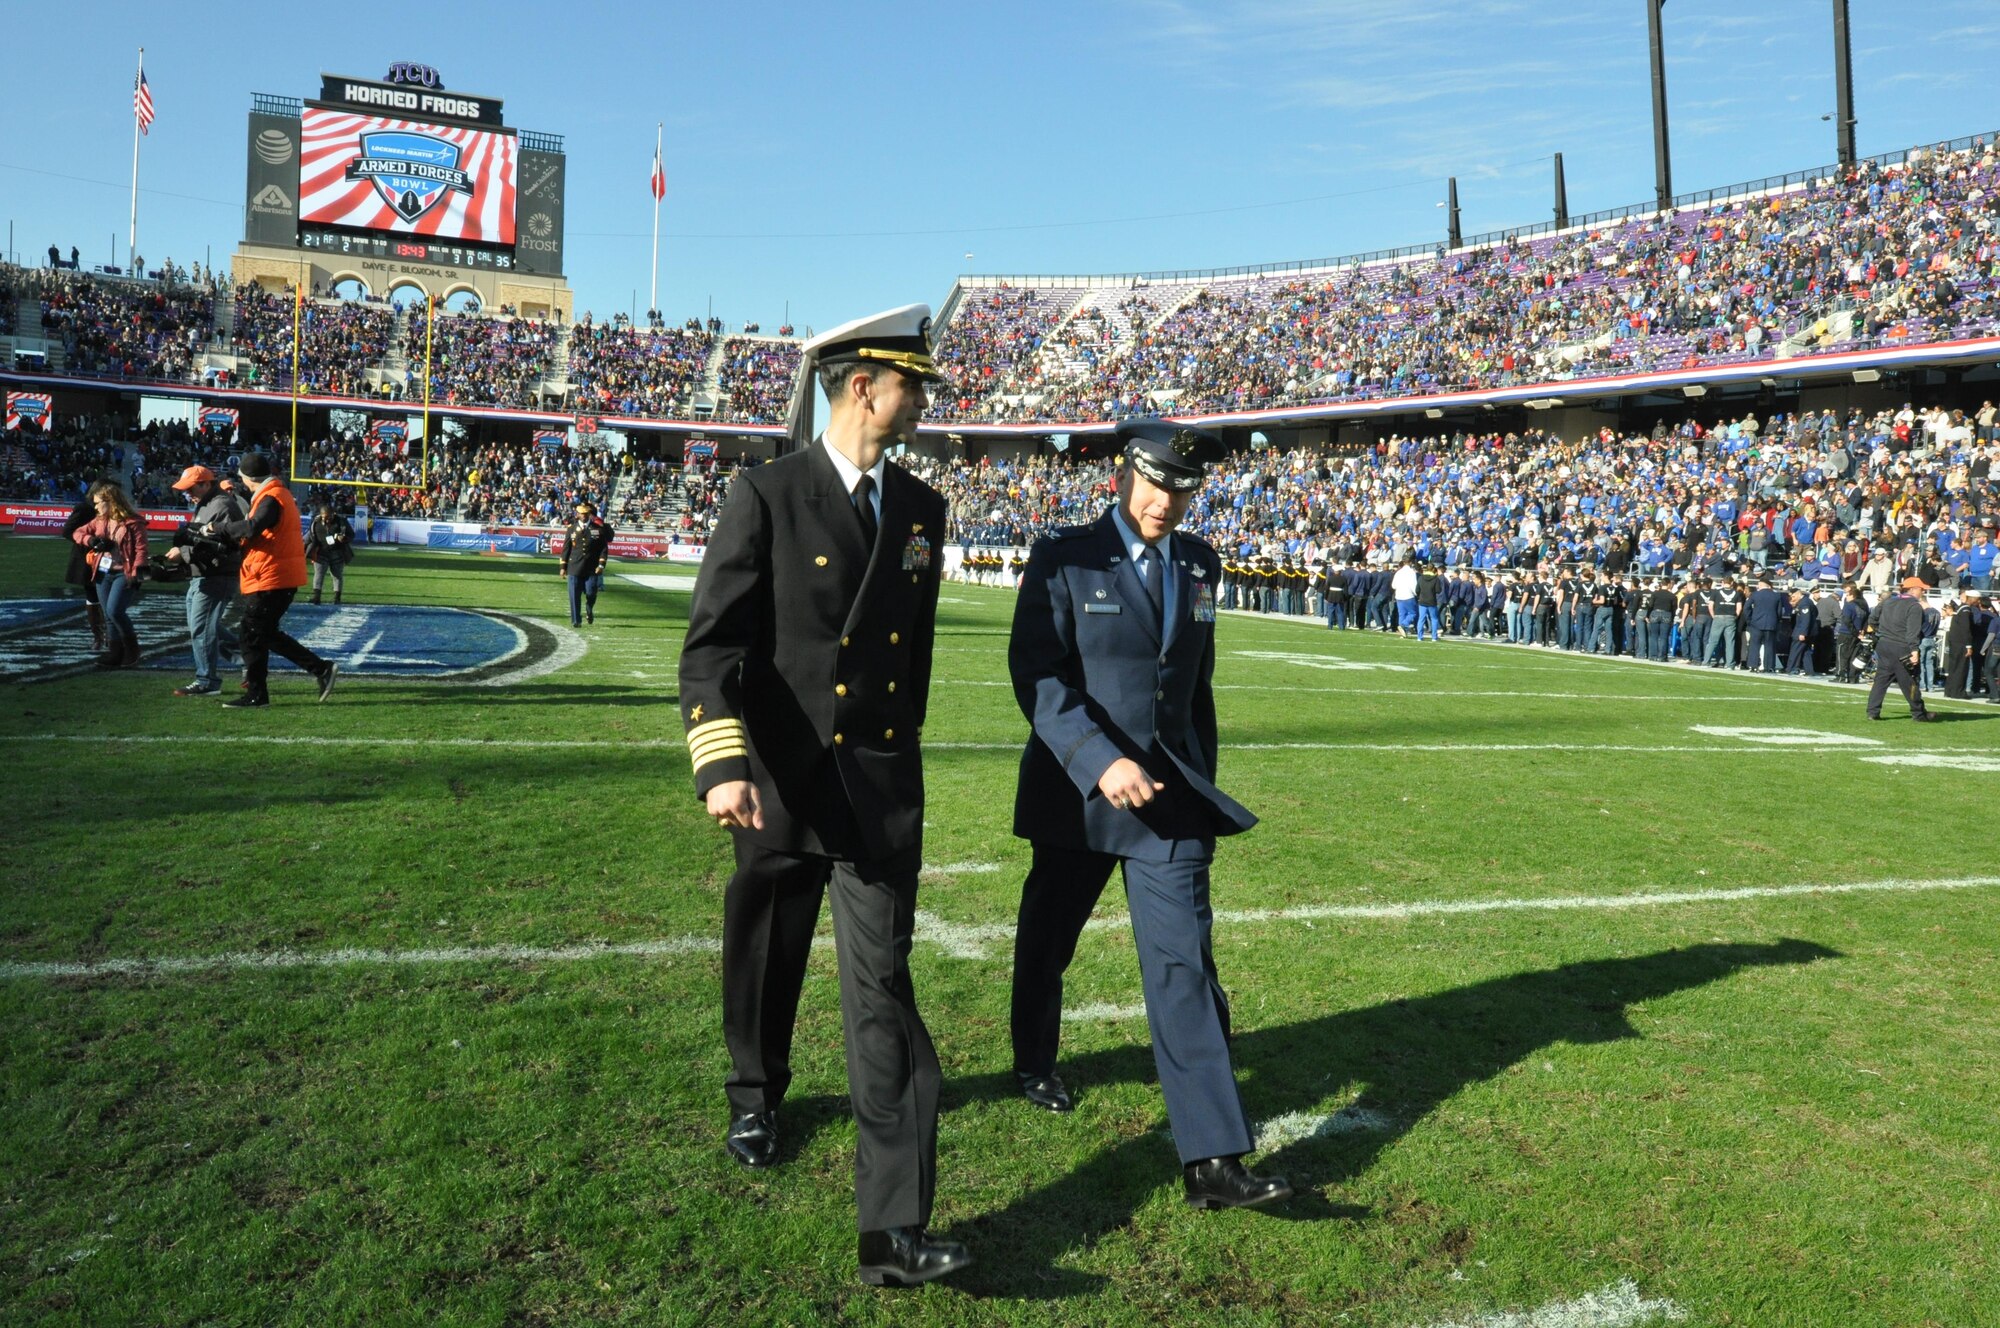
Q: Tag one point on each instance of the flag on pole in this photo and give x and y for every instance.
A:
(142, 104)
(659, 176)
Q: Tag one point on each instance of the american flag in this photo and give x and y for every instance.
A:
(142, 104)
(659, 176)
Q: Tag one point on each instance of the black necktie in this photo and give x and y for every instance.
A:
(864, 508)
(1152, 570)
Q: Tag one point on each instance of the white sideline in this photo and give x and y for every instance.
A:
(676, 744)
(1618, 1305)
(958, 940)
(1435, 693)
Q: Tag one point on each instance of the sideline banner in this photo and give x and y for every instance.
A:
(48, 518)
(481, 543)
(35, 410)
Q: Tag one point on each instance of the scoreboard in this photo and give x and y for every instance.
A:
(402, 168)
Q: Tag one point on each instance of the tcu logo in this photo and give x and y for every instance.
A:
(408, 73)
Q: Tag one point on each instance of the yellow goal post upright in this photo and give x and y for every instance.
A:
(424, 451)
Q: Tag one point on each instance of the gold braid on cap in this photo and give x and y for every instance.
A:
(914, 361)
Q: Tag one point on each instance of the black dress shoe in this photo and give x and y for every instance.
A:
(1223, 1182)
(753, 1139)
(1928, 717)
(905, 1256)
(1044, 1090)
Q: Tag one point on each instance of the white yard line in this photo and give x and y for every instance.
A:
(1297, 1126)
(1618, 1305)
(676, 744)
(1100, 1013)
(1438, 693)
(959, 940)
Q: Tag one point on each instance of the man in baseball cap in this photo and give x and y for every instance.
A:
(211, 589)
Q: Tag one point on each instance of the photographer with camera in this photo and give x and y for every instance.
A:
(114, 542)
(211, 562)
(329, 548)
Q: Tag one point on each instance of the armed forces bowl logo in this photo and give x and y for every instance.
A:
(412, 172)
(44, 639)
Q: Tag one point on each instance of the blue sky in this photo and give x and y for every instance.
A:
(838, 159)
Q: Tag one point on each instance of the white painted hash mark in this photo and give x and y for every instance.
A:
(1297, 1126)
(1771, 737)
(1938, 761)
(1103, 1014)
(959, 940)
(1618, 1305)
(1333, 663)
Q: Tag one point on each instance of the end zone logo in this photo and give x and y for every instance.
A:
(412, 172)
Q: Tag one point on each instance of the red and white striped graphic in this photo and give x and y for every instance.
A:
(331, 140)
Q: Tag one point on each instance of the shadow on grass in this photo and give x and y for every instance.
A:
(1406, 1057)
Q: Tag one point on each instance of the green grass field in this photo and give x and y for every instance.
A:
(402, 1092)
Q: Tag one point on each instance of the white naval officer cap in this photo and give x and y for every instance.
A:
(899, 338)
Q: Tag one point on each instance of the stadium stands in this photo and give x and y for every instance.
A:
(754, 383)
(617, 369)
(1787, 493)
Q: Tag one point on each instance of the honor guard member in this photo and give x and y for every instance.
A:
(586, 548)
(1112, 656)
(803, 685)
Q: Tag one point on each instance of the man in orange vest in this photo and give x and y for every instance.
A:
(274, 567)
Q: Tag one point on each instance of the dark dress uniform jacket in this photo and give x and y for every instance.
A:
(1097, 681)
(819, 653)
(585, 545)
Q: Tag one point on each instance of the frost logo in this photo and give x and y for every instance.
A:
(271, 199)
(412, 172)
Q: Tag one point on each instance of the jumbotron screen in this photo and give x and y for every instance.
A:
(406, 177)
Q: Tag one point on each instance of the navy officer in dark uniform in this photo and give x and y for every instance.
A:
(1112, 657)
(803, 684)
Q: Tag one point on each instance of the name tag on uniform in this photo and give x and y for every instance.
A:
(1203, 606)
(1104, 608)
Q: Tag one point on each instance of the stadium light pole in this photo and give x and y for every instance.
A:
(1662, 167)
(1562, 196)
(1843, 85)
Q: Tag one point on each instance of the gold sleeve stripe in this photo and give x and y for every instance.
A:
(702, 750)
(720, 754)
(715, 728)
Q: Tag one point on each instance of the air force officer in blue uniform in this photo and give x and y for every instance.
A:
(1112, 657)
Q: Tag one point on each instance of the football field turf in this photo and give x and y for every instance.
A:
(1594, 993)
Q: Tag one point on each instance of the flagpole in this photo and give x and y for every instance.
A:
(659, 141)
(132, 246)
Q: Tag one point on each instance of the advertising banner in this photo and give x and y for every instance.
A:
(271, 184)
(539, 242)
(37, 518)
(30, 410)
(406, 177)
(480, 542)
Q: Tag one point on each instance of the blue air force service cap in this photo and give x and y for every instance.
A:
(1173, 456)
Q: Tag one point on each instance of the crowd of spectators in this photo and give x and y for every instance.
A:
(531, 487)
(339, 340)
(1806, 496)
(616, 369)
(118, 328)
(58, 464)
(1883, 254)
(652, 488)
(476, 360)
(754, 385)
